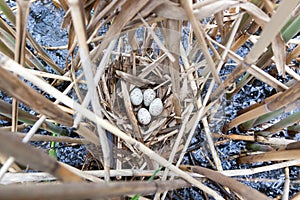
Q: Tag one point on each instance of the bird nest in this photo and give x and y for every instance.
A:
(138, 62)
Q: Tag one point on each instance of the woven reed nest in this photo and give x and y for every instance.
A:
(138, 62)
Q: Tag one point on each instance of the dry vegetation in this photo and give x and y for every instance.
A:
(143, 48)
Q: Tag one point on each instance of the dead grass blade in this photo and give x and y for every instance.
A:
(25, 154)
(130, 114)
(278, 47)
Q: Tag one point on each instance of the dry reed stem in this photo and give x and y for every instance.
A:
(79, 25)
(212, 148)
(19, 52)
(286, 187)
(201, 38)
(73, 191)
(157, 40)
(278, 142)
(185, 117)
(48, 138)
(254, 70)
(16, 88)
(11, 178)
(271, 156)
(96, 79)
(130, 114)
(129, 10)
(26, 139)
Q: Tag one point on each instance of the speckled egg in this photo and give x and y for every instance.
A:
(156, 107)
(149, 96)
(136, 96)
(144, 116)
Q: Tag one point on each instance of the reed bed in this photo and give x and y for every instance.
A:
(179, 50)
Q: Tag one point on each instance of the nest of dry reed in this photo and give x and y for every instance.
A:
(164, 58)
(146, 66)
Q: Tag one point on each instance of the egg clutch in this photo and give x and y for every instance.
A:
(151, 106)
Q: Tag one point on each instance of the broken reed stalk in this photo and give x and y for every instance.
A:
(19, 56)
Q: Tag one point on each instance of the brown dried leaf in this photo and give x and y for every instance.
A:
(260, 17)
(278, 47)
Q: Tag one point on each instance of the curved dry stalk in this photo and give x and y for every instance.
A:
(245, 191)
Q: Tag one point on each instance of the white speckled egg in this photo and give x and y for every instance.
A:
(149, 96)
(156, 107)
(136, 96)
(144, 116)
